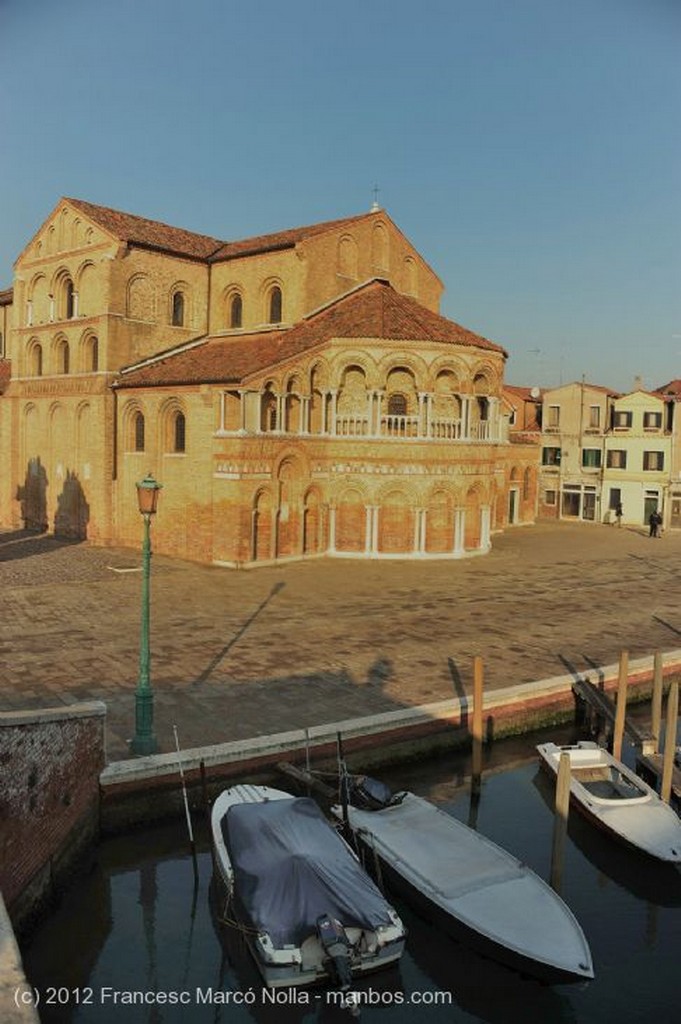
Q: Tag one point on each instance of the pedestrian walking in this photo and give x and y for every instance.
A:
(652, 523)
(618, 513)
(658, 522)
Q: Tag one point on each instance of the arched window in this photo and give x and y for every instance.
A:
(275, 305)
(179, 430)
(36, 361)
(92, 355)
(69, 300)
(236, 312)
(397, 405)
(63, 357)
(178, 309)
(138, 425)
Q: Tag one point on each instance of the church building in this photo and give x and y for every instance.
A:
(297, 394)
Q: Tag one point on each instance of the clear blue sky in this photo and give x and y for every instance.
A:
(530, 149)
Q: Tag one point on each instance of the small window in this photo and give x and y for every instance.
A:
(63, 357)
(70, 300)
(178, 309)
(617, 459)
(37, 361)
(594, 417)
(236, 312)
(623, 419)
(549, 497)
(275, 306)
(179, 432)
(139, 432)
(554, 416)
(652, 420)
(615, 499)
(93, 355)
(653, 460)
(591, 458)
(550, 456)
(397, 405)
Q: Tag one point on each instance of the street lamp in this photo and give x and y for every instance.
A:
(144, 741)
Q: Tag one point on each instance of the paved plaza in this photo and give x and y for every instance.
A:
(237, 654)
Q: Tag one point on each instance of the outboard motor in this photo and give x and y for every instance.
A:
(336, 946)
(372, 795)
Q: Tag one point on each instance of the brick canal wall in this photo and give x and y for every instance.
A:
(140, 790)
(50, 764)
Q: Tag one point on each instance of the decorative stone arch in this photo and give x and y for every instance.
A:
(353, 386)
(233, 307)
(475, 500)
(33, 492)
(140, 298)
(172, 426)
(319, 376)
(63, 232)
(269, 408)
(449, 364)
(352, 357)
(350, 520)
(89, 352)
(34, 359)
(380, 247)
(272, 300)
(410, 275)
(86, 285)
(133, 426)
(179, 303)
(405, 360)
(396, 521)
(293, 392)
(485, 378)
(440, 503)
(261, 524)
(514, 475)
(347, 258)
(76, 232)
(38, 305)
(51, 240)
(291, 473)
(313, 521)
(401, 405)
(64, 293)
(61, 355)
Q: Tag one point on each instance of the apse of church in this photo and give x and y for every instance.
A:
(297, 394)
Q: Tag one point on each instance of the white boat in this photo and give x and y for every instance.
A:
(308, 910)
(617, 800)
(474, 889)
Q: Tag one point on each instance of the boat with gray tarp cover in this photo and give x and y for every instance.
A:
(308, 910)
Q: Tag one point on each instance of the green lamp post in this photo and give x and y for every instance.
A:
(144, 740)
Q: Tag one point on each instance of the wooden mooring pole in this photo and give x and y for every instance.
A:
(670, 741)
(621, 710)
(476, 728)
(560, 823)
(655, 726)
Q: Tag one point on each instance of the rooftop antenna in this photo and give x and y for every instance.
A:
(374, 206)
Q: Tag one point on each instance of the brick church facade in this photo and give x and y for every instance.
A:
(297, 394)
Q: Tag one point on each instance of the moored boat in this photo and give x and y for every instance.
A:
(308, 910)
(474, 889)
(615, 799)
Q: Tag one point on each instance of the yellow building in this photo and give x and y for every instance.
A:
(638, 457)
(297, 394)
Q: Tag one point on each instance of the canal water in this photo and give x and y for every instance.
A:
(138, 927)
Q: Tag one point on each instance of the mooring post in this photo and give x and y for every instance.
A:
(656, 723)
(670, 741)
(621, 710)
(562, 810)
(476, 729)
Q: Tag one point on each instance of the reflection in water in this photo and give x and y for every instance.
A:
(138, 923)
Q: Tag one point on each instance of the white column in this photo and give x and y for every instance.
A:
(75, 304)
(420, 531)
(466, 417)
(429, 413)
(423, 431)
(29, 313)
(370, 413)
(304, 414)
(222, 410)
(459, 530)
(368, 529)
(493, 415)
(332, 528)
(334, 409)
(374, 532)
(379, 403)
(323, 398)
(484, 527)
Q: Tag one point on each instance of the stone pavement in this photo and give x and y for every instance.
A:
(238, 654)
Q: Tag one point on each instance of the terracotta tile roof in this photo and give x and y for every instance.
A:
(524, 393)
(5, 373)
(279, 239)
(156, 235)
(6, 296)
(149, 233)
(375, 310)
(673, 388)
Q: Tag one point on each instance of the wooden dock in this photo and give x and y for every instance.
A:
(597, 706)
(649, 767)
